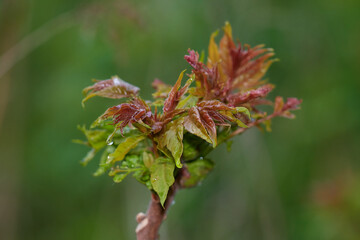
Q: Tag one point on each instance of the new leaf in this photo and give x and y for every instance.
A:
(124, 148)
(172, 139)
(112, 88)
(162, 177)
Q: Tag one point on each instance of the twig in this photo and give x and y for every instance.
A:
(149, 223)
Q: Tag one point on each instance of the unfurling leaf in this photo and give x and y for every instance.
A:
(261, 92)
(172, 139)
(112, 88)
(194, 125)
(127, 113)
(198, 170)
(229, 86)
(176, 93)
(203, 118)
(214, 57)
(124, 147)
(162, 177)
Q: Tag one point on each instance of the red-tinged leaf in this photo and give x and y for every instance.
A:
(283, 109)
(193, 59)
(214, 105)
(172, 140)
(222, 114)
(127, 113)
(112, 88)
(226, 48)
(260, 92)
(194, 125)
(279, 104)
(203, 118)
(214, 56)
(292, 104)
(209, 125)
(166, 118)
(175, 94)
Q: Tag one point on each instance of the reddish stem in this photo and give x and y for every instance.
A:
(149, 223)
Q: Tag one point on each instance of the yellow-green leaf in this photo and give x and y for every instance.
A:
(120, 177)
(214, 56)
(172, 139)
(162, 177)
(148, 159)
(124, 147)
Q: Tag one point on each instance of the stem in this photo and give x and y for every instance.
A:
(149, 223)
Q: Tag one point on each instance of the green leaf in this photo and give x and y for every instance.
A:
(124, 147)
(162, 177)
(198, 170)
(172, 139)
(148, 159)
(103, 166)
(189, 101)
(243, 110)
(96, 138)
(120, 177)
(90, 155)
(230, 115)
(189, 152)
(143, 176)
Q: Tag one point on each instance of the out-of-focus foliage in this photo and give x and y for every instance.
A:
(272, 188)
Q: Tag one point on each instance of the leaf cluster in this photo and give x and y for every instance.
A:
(152, 140)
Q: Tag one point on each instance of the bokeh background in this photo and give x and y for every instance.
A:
(301, 181)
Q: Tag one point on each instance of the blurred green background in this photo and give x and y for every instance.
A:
(302, 181)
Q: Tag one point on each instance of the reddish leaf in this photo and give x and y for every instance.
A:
(292, 104)
(203, 118)
(229, 67)
(283, 109)
(111, 88)
(260, 92)
(227, 47)
(209, 82)
(175, 94)
(194, 125)
(279, 104)
(127, 113)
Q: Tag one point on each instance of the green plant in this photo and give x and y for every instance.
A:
(164, 143)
